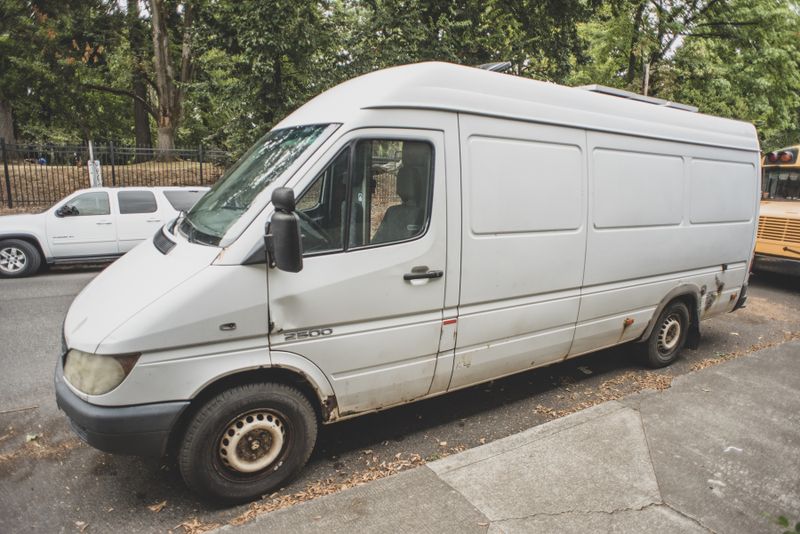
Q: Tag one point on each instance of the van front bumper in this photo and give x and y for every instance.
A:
(141, 430)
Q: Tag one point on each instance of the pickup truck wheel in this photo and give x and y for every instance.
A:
(18, 258)
(247, 441)
(668, 337)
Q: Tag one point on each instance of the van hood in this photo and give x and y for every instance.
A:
(129, 285)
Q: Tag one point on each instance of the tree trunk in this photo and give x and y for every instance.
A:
(170, 90)
(166, 141)
(7, 122)
(637, 24)
(141, 119)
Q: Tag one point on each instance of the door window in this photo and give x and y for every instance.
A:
(382, 198)
(137, 202)
(86, 204)
(321, 208)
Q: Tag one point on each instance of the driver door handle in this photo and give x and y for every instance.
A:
(420, 275)
(103, 223)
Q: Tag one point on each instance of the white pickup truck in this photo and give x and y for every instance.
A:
(98, 224)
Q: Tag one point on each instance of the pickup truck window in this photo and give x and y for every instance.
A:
(137, 202)
(86, 204)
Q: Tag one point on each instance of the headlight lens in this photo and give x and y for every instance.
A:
(95, 374)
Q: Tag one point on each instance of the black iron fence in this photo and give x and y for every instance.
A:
(42, 174)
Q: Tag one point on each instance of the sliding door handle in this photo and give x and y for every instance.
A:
(420, 275)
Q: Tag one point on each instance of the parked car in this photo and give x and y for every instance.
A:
(98, 224)
(523, 223)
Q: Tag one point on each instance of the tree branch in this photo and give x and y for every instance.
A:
(122, 92)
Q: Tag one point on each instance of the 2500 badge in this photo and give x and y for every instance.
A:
(307, 334)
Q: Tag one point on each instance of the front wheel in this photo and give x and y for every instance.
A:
(668, 337)
(247, 441)
(18, 258)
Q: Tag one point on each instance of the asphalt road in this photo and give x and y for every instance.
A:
(51, 482)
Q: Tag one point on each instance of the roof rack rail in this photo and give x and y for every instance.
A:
(499, 66)
(613, 91)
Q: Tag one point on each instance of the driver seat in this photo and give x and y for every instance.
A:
(404, 220)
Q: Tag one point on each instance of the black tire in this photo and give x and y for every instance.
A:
(207, 458)
(668, 336)
(18, 258)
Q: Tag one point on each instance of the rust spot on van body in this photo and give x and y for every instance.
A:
(330, 408)
(625, 324)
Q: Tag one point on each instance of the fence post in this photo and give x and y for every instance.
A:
(111, 155)
(200, 158)
(5, 171)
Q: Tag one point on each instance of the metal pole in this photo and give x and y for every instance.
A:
(5, 170)
(111, 155)
(200, 157)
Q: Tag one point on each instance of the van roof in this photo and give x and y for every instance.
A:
(456, 88)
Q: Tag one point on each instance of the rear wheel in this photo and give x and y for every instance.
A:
(247, 441)
(668, 337)
(18, 258)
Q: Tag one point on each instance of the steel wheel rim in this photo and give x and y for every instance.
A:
(12, 260)
(669, 334)
(252, 442)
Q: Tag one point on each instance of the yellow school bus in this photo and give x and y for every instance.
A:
(778, 243)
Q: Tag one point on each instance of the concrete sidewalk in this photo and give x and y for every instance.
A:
(719, 451)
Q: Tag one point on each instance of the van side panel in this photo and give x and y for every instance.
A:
(523, 240)
(662, 215)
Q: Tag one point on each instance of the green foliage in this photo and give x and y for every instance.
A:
(735, 58)
(783, 521)
(67, 68)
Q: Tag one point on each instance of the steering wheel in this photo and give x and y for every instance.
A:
(314, 236)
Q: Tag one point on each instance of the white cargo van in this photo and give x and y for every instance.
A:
(430, 227)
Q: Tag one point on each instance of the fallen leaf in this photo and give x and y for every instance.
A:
(32, 437)
(734, 333)
(443, 444)
(157, 507)
(585, 370)
(81, 525)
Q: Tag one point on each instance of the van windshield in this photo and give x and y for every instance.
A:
(231, 196)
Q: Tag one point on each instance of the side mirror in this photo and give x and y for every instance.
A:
(283, 237)
(65, 211)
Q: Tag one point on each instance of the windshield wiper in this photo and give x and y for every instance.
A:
(195, 235)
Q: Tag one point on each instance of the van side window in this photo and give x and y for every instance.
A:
(321, 208)
(390, 189)
(386, 201)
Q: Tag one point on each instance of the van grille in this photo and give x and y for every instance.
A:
(779, 229)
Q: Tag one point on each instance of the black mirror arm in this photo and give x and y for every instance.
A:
(269, 247)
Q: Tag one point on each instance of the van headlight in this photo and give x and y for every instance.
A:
(95, 374)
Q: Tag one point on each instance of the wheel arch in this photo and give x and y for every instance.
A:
(690, 295)
(287, 368)
(28, 238)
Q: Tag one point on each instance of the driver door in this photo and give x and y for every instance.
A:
(367, 306)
